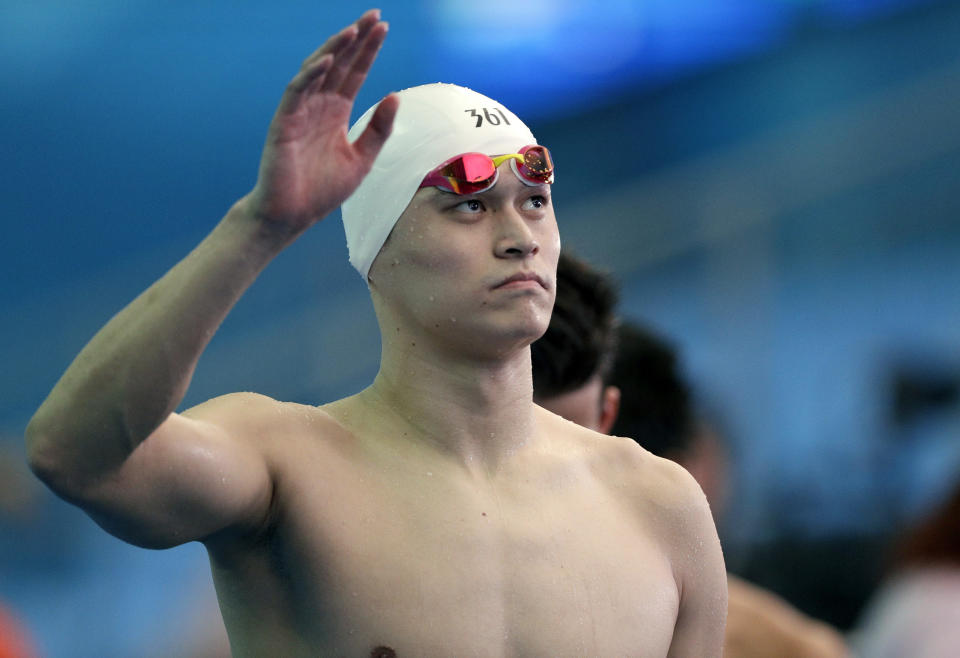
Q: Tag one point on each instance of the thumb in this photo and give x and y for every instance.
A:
(372, 138)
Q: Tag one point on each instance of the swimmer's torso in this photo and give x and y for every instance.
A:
(376, 543)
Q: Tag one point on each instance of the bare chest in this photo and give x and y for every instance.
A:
(433, 568)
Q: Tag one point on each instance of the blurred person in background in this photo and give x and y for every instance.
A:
(438, 511)
(622, 379)
(916, 611)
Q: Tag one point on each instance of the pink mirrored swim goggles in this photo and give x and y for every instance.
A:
(470, 173)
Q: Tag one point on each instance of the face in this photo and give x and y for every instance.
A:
(477, 271)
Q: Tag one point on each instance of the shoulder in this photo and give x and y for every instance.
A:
(651, 484)
(254, 412)
(666, 500)
(759, 618)
(277, 431)
(231, 405)
(661, 486)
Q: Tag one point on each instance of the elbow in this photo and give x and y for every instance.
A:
(41, 449)
(46, 455)
(70, 458)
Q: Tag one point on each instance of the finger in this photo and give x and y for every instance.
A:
(369, 18)
(372, 138)
(312, 74)
(342, 38)
(304, 81)
(345, 56)
(363, 60)
(334, 44)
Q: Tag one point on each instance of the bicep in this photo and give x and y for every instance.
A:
(191, 478)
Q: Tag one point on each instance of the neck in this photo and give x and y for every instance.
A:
(476, 412)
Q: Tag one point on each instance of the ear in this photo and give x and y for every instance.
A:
(609, 408)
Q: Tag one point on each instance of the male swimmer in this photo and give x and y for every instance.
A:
(438, 512)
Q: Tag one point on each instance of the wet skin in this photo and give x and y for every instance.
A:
(440, 512)
(564, 549)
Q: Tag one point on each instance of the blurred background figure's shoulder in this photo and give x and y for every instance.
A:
(760, 624)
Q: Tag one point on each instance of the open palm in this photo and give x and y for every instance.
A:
(308, 166)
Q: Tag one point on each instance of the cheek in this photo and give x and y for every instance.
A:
(437, 263)
(548, 236)
(434, 253)
(429, 270)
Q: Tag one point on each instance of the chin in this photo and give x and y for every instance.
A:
(528, 331)
(498, 339)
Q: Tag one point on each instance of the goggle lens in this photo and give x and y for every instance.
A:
(470, 173)
(537, 164)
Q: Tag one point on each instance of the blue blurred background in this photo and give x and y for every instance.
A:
(775, 184)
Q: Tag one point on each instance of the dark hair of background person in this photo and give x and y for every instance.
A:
(657, 409)
(581, 339)
(934, 541)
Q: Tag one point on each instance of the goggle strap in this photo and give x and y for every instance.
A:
(498, 159)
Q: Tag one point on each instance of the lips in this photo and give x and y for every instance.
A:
(521, 277)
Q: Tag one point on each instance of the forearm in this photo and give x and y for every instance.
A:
(128, 380)
(136, 369)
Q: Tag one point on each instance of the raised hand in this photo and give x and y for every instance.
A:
(308, 166)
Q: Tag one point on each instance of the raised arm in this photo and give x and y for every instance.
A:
(107, 437)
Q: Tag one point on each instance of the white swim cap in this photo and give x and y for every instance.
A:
(434, 123)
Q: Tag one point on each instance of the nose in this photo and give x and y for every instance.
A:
(516, 240)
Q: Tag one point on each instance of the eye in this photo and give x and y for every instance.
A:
(536, 202)
(471, 206)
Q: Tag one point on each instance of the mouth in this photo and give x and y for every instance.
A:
(522, 280)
